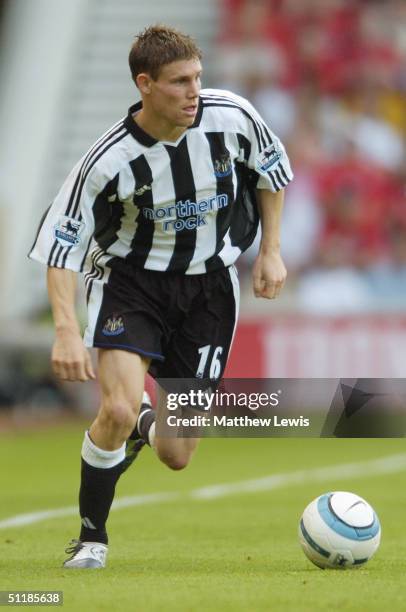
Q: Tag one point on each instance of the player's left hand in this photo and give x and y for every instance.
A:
(268, 275)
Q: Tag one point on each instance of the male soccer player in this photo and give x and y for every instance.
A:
(156, 213)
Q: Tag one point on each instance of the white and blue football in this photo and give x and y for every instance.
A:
(339, 530)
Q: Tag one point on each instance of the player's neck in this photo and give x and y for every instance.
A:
(158, 128)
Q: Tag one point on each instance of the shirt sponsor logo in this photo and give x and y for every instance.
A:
(67, 231)
(114, 326)
(223, 166)
(269, 158)
(185, 214)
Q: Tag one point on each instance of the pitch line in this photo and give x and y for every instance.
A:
(375, 467)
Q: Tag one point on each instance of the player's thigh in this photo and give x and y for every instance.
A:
(122, 376)
(200, 348)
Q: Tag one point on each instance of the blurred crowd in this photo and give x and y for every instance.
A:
(329, 77)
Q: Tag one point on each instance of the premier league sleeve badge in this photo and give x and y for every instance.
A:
(269, 158)
(67, 231)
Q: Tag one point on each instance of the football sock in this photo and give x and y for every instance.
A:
(146, 426)
(100, 472)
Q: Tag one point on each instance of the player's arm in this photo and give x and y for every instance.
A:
(269, 272)
(70, 359)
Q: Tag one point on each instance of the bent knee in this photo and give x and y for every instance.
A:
(175, 463)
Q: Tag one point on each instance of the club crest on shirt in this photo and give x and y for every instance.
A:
(67, 231)
(268, 158)
(223, 166)
(113, 326)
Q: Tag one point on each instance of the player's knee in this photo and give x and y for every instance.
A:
(175, 462)
(119, 414)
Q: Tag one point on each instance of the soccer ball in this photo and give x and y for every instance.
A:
(339, 530)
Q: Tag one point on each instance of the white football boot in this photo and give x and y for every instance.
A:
(86, 555)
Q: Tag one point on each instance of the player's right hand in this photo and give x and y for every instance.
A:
(70, 358)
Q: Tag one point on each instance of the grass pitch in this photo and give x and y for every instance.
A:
(235, 552)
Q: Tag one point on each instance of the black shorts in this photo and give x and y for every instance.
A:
(183, 323)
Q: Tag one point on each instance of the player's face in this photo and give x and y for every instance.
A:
(174, 96)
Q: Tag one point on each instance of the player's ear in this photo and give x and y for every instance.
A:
(143, 82)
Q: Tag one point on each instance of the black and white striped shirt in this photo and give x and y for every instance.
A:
(186, 206)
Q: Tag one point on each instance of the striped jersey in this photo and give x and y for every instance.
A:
(187, 206)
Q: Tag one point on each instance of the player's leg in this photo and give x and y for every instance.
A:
(198, 350)
(121, 375)
(122, 312)
(175, 452)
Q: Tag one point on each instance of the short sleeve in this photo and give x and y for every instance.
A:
(67, 227)
(267, 156)
(262, 150)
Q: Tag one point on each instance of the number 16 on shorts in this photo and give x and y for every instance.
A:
(209, 357)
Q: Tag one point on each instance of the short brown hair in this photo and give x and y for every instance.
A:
(159, 45)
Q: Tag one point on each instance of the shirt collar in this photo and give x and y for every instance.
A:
(142, 136)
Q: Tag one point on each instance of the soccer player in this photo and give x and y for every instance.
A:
(155, 214)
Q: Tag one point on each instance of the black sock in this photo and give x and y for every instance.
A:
(147, 419)
(95, 498)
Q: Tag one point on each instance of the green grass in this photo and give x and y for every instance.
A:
(238, 552)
